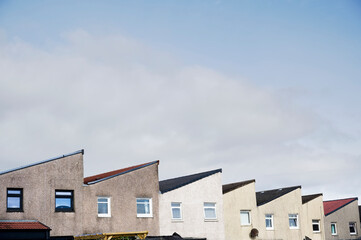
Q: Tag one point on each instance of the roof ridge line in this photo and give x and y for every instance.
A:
(341, 199)
(41, 162)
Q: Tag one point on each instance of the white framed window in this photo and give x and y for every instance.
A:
(352, 226)
(316, 225)
(245, 217)
(144, 207)
(176, 210)
(333, 229)
(209, 211)
(269, 221)
(293, 221)
(104, 207)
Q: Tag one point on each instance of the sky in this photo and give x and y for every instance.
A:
(265, 90)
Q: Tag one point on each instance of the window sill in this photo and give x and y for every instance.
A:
(14, 210)
(150, 216)
(211, 220)
(104, 216)
(177, 220)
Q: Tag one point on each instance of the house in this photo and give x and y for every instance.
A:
(23, 229)
(124, 200)
(313, 220)
(56, 193)
(192, 206)
(342, 219)
(240, 209)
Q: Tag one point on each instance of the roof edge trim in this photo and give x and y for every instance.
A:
(41, 162)
(340, 206)
(118, 174)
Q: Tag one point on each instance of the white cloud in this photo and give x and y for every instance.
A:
(126, 104)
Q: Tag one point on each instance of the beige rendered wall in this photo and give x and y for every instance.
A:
(342, 217)
(123, 191)
(289, 203)
(243, 198)
(313, 210)
(39, 183)
(192, 197)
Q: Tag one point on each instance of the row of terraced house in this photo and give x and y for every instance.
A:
(54, 200)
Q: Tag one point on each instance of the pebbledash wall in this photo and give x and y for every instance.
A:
(39, 182)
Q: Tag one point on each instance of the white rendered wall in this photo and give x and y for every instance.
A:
(192, 197)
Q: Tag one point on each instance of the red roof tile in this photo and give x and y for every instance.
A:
(16, 225)
(333, 205)
(116, 172)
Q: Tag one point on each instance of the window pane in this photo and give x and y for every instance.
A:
(176, 213)
(58, 193)
(142, 200)
(143, 208)
(209, 204)
(333, 228)
(102, 208)
(13, 202)
(14, 191)
(103, 200)
(245, 218)
(210, 213)
(175, 204)
(63, 203)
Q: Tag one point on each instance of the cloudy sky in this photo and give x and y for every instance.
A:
(265, 90)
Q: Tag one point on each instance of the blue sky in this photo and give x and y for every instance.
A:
(242, 85)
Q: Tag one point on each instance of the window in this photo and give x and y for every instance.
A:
(104, 207)
(333, 229)
(352, 226)
(144, 207)
(176, 211)
(14, 200)
(293, 221)
(209, 211)
(64, 201)
(316, 225)
(245, 217)
(269, 221)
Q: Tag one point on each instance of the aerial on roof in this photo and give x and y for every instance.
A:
(22, 224)
(334, 205)
(232, 186)
(307, 198)
(264, 197)
(174, 183)
(45, 161)
(104, 176)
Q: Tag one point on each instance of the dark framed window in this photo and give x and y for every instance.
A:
(64, 201)
(14, 200)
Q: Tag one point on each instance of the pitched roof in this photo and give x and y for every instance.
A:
(174, 183)
(307, 198)
(104, 176)
(359, 210)
(45, 161)
(334, 205)
(232, 186)
(264, 197)
(22, 224)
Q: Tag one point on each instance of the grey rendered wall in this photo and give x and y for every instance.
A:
(123, 191)
(39, 183)
(342, 217)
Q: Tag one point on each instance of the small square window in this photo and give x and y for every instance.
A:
(245, 217)
(316, 225)
(333, 229)
(293, 221)
(14, 200)
(104, 207)
(176, 210)
(352, 226)
(64, 201)
(144, 207)
(209, 211)
(269, 221)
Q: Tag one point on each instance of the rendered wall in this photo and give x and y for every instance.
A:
(243, 198)
(342, 217)
(123, 191)
(192, 197)
(289, 203)
(313, 210)
(39, 183)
